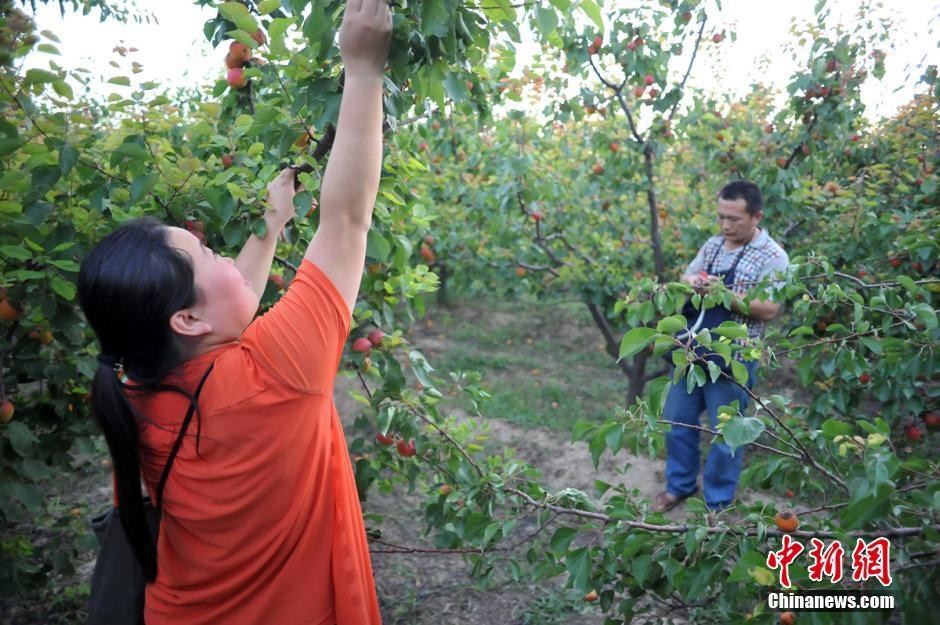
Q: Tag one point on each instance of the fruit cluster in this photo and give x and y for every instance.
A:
(405, 447)
(238, 56)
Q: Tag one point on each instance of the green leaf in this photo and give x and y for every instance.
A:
(268, 6)
(434, 19)
(746, 563)
(832, 427)
(614, 438)
(926, 315)
(9, 129)
(68, 156)
(739, 371)
(421, 368)
(500, 10)
(232, 233)
(142, 185)
(731, 330)
(641, 567)
(578, 563)
(28, 495)
(9, 146)
(547, 20)
(634, 341)
(66, 265)
(37, 76)
(120, 80)
(17, 252)
(908, 284)
(872, 344)
(63, 89)
(20, 437)
(581, 429)
(276, 31)
(456, 86)
(561, 539)
(739, 431)
(64, 289)
(671, 325)
(714, 371)
(658, 390)
(243, 36)
(377, 248)
(25, 274)
(238, 14)
(880, 468)
(593, 11)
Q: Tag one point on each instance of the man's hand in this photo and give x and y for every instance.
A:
(365, 36)
(700, 281)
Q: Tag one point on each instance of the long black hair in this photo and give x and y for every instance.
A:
(129, 286)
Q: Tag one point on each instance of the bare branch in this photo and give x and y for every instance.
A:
(688, 70)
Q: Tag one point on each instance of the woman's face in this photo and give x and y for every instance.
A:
(225, 302)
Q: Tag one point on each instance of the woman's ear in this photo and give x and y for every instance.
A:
(186, 323)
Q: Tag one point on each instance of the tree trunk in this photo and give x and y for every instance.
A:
(637, 377)
(442, 291)
(655, 239)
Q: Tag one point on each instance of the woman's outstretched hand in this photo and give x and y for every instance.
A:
(365, 36)
(280, 204)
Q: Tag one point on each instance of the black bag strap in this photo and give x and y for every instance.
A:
(737, 258)
(179, 439)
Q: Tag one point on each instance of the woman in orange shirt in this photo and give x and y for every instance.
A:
(260, 517)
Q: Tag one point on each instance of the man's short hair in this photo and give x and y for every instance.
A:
(748, 191)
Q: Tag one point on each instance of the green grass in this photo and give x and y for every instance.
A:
(542, 363)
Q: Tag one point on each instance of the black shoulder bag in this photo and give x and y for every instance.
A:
(118, 584)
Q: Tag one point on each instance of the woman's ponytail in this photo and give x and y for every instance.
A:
(118, 423)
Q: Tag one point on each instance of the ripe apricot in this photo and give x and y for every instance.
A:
(406, 448)
(233, 62)
(787, 521)
(8, 312)
(787, 618)
(240, 52)
(6, 411)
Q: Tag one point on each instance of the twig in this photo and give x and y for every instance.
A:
(717, 433)
(688, 70)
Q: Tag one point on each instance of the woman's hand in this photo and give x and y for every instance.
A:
(280, 204)
(364, 37)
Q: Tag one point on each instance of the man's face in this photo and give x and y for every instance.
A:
(737, 225)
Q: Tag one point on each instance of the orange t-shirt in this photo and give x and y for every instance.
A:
(264, 525)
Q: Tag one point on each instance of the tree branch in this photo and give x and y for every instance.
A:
(688, 70)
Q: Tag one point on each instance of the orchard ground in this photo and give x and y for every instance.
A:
(545, 367)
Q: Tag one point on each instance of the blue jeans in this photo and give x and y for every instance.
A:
(722, 469)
